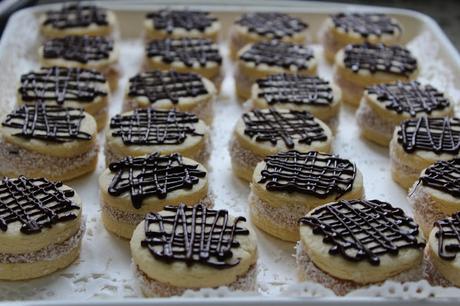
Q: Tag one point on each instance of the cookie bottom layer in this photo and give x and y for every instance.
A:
(401, 173)
(351, 92)
(373, 127)
(432, 274)
(243, 161)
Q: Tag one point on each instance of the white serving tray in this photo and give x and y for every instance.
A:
(103, 276)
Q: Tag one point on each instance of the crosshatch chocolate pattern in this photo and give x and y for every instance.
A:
(448, 236)
(152, 176)
(47, 122)
(193, 235)
(311, 173)
(168, 20)
(76, 15)
(35, 203)
(444, 176)
(154, 127)
(366, 24)
(277, 25)
(361, 230)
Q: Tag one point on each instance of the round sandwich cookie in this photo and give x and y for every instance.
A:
(298, 92)
(436, 195)
(342, 29)
(417, 143)
(358, 66)
(286, 186)
(257, 27)
(259, 60)
(442, 253)
(352, 244)
(55, 142)
(181, 24)
(78, 19)
(265, 132)
(166, 90)
(67, 87)
(193, 55)
(88, 52)
(135, 186)
(145, 131)
(385, 106)
(41, 227)
(193, 247)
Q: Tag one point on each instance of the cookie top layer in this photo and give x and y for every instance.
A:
(443, 176)
(448, 237)
(170, 20)
(275, 25)
(76, 15)
(366, 24)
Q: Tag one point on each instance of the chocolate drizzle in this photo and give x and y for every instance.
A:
(366, 24)
(286, 125)
(81, 49)
(76, 15)
(152, 176)
(295, 89)
(60, 84)
(438, 135)
(170, 85)
(47, 122)
(193, 235)
(364, 230)
(189, 51)
(443, 176)
(276, 25)
(448, 236)
(154, 127)
(409, 97)
(34, 203)
(311, 173)
(169, 20)
(379, 57)
(280, 54)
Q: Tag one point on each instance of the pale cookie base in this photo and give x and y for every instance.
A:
(401, 173)
(351, 92)
(432, 275)
(373, 127)
(243, 161)
(243, 86)
(101, 118)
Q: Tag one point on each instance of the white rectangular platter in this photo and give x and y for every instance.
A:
(102, 275)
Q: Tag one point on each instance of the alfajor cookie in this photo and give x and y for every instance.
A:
(264, 26)
(193, 55)
(436, 194)
(358, 66)
(259, 60)
(55, 142)
(347, 245)
(417, 143)
(87, 52)
(298, 92)
(78, 19)
(193, 247)
(41, 227)
(342, 29)
(144, 131)
(265, 132)
(286, 186)
(135, 186)
(166, 90)
(67, 87)
(181, 24)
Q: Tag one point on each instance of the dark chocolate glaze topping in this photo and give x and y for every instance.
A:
(280, 54)
(190, 51)
(168, 20)
(366, 24)
(193, 234)
(288, 126)
(361, 230)
(170, 85)
(35, 203)
(152, 176)
(295, 89)
(448, 236)
(60, 84)
(76, 15)
(276, 25)
(311, 173)
(81, 49)
(380, 58)
(409, 97)
(146, 127)
(47, 122)
(438, 135)
(444, 176)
